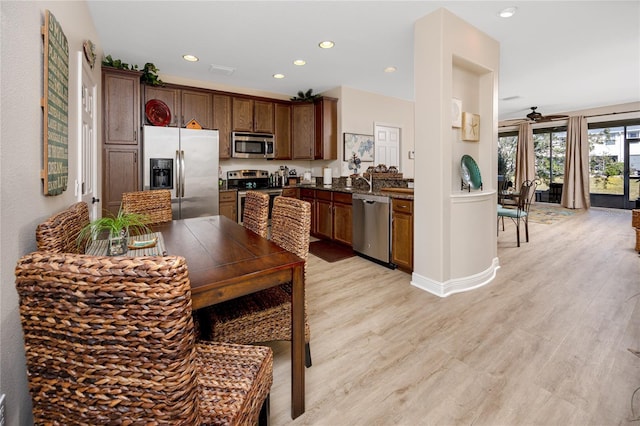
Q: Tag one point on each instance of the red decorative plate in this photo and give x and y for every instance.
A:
(157, 112)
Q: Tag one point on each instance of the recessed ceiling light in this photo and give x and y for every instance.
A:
(299, 62)
(326, 44)
(190, 58)
(390, 69)
(278, 76)
(508, 12)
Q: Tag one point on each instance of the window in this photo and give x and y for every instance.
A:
(507, 144)
(549, 146)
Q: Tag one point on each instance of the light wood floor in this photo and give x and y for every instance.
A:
(544, 343)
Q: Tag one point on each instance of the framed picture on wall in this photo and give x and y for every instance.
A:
(470, 127)
(360, 145)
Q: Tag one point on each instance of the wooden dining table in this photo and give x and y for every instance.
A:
(226, 261)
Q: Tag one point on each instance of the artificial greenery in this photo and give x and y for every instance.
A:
(149, 72)
(150, 75)
(307, 96)
(115, 226)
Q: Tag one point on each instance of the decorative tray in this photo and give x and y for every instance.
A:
(157, 112)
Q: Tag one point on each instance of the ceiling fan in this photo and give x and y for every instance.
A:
(535, 117)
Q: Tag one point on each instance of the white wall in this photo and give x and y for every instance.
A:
(360, 111)
(22, 203)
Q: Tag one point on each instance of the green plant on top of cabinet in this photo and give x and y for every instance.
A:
(252, 115)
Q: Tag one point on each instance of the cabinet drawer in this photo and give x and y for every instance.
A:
(340, 197)
(323, 195)
(402, 206)
(307, 193)
(290, 192)
(227, 196)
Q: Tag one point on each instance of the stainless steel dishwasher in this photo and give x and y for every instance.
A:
(372, 227)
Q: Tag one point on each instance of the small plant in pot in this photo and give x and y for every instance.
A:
(117, 229)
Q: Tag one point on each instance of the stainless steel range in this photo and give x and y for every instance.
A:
(254, 180)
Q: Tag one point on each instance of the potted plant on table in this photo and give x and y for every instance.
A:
(117, 229)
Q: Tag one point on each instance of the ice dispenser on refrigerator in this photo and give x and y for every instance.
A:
(161, 170)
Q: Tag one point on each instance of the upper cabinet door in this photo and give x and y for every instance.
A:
(263, 117)
(283, 131)
(242, 115)
(302, 119)
(121, 106)
(222, 122)
(197, 105)
(169, 96)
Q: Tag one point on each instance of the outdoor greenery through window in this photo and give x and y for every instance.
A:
(607, 154)
(549, 147)
(611, 147)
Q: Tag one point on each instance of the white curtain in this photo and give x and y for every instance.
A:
(525, 157)
(575, 191)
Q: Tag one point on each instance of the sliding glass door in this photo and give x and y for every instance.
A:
(614, 165)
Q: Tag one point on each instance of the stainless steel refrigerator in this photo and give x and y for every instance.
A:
(184, 161)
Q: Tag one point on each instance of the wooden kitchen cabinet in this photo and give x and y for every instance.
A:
(120, 106)
(402, 234)
(331, 214)
(252, 115)
(222, 122)
(309, 195)
(326, 129)
(121, 174)
(198, 105)
(228, 204)
(324, 215)
(168, 95)
(290, 192)
(342, 218)
(282, 131)
(185, 105)
(263, 117)
(242, 114)
(302, 130)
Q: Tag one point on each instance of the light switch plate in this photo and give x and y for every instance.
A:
(412, 155)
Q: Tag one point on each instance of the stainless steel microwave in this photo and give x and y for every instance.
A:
(252, 145)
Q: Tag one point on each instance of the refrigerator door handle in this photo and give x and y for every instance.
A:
(178, 174)
(182, 182)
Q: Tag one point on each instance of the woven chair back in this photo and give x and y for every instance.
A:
(255, 216)
(59, 233)
(108, 340)
(290, 225)
(154, 204)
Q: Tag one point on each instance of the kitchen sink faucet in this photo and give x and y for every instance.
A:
(369, 181)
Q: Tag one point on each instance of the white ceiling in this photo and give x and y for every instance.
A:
(558, 55)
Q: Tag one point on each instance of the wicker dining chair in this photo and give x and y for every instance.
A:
(266, 315)
(255, 214)
(59, 233)
(110, 340)
(154, 204)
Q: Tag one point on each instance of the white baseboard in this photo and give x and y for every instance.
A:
(457, 285)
